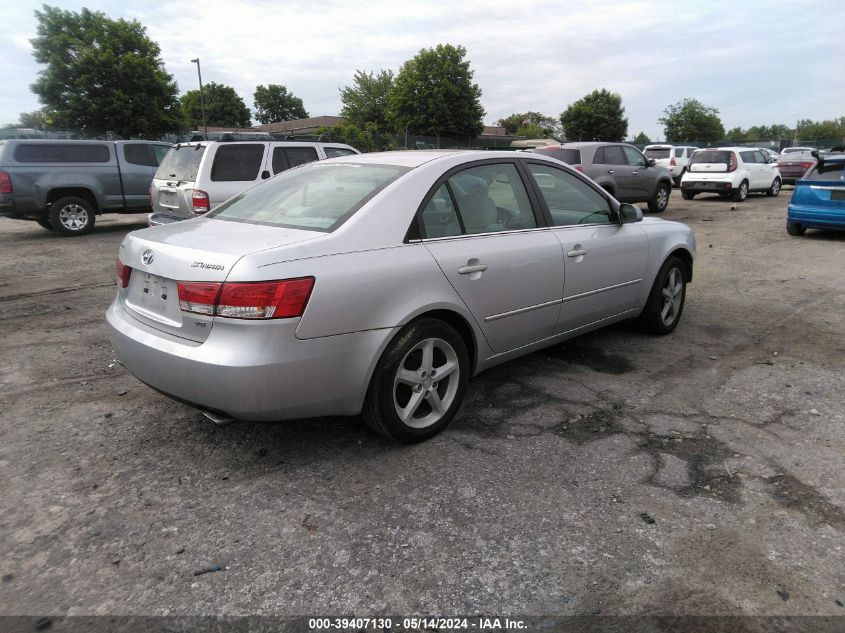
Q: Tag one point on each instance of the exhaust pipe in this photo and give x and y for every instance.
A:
(219, 419)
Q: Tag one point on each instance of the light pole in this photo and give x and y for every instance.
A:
(202, 99)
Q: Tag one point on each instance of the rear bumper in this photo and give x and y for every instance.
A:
(706, 185)
(814, 218)
(22, 208)
(251, 370)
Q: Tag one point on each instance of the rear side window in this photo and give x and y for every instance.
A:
(490, 199)
(570, 200)
(62, 153)
(287, 157)
(140, 154)
(564, 154)
(660, 153)
(182, 162)
(237, 162)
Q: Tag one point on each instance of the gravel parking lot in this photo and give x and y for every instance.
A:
(699, 473)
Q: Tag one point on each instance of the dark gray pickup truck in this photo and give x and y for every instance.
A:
(63, 184)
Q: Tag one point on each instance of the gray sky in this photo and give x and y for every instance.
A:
(758, 62)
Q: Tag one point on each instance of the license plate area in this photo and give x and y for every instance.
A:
(167, 198)
(154, 297)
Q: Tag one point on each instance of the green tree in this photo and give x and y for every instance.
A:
(273, 103)
(365, 138)
(532, 125)
(102, 75)
(599, 116)
(223, 107)
(434, 95)
(737, 134)
(642, 139)
(36, 120)
(366, 100)
(690, 120)
(833, 129)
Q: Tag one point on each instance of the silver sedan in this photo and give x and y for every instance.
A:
(378, 284)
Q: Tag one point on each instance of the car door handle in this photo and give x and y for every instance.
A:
(576, 252)
(468, 270)
(634, 173)
(610, 171)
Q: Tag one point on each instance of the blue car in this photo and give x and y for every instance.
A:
(818, 201)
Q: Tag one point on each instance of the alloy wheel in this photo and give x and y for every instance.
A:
(426, 383)
(672, 296)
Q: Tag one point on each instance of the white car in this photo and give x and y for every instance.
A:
(675, 158)
(796, 150)
(195, 177)
(730, 171)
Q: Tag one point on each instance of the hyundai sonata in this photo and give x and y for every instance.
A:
(378, 284)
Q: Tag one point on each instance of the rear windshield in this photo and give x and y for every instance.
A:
(831, 171)
(334, 152)
(658, 153)
(181, 163)
(315, 197)
(62, 153)
(708, 156)
(566, 155)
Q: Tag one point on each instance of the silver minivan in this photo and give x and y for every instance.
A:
(196, 177)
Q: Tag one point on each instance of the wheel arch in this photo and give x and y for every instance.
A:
(686, 259)
(77, 192)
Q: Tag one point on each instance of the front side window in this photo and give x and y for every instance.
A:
(491, 198)
(635, 159)
(316, 197)
(288, 157)
(570, 200)
(237, 162)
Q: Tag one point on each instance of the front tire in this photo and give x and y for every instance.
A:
(741, 192)
(72, 216)
(774, 190)
(666, 299)
(660, 200)
(795, 229)
(419, 382)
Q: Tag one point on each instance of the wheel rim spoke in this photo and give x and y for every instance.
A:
(436, 403)
(408, 377)
(428, 356)
(446, 369)
(413, 404)
(429, 373)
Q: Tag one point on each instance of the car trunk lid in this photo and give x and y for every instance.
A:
(173, 191)
(203, 250)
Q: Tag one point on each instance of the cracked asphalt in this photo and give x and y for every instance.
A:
(696, 474)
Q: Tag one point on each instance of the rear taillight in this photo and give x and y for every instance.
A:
(252, 300)
(122, 273)
(672, 162)
(807, 165)
(199, 200)
(732, 164)
(5, 183)
(579, 168)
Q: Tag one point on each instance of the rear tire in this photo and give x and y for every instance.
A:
(660, 200)
(419, 382)
(740, 193)
(687, 195)
(72, 216)
(666, 300)
(795, 229)
(774, 190)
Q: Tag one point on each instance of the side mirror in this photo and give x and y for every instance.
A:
(630, 213)
(650, 162)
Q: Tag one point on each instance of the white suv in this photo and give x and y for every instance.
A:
(730, 171)
(675, 158)
(193, 178)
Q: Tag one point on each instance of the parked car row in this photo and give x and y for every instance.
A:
(64, 184)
